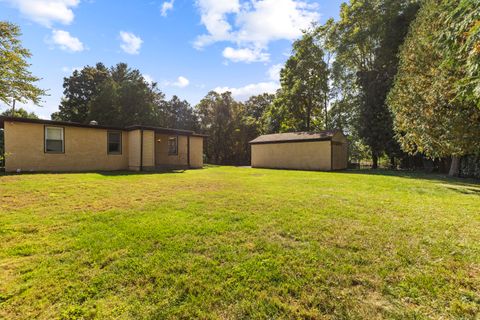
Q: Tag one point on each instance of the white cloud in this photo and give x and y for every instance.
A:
(71, 69)
(148, 78)
(66, 42)
(274, 72)
(167, 6)
(181, 82)
(245, 55)
(131, 43)
(45, 12)
(270, 20)
(243, 93)
(214, 18)
(254, 23)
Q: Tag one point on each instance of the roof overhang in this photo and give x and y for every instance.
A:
(91, 126)
(56, 123)
(296, 137)
(291, 141)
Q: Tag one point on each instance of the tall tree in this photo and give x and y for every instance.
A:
(16, 82)
(176, 113)
(366, 41)
(79, 89)
(304, 84)
(256, 106)
(461, 36)
(134, 96)
(116, 96)
(429, 117)
(216, 119)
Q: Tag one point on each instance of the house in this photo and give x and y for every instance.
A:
(44, 145)
(325, 150)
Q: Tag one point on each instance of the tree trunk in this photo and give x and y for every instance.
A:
(309, 111)
(392, 163)
(326, 111)
(375, 161)
(455, 167)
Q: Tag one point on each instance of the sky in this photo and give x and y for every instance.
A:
(188, 47)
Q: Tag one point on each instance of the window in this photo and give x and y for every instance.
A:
(54, 140)
(172, 146)
(114, 143)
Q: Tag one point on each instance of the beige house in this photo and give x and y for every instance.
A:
(43, 145)
(325, 151)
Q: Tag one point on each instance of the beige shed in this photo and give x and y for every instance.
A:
(324, 151)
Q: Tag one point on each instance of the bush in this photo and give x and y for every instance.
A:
(470, 166)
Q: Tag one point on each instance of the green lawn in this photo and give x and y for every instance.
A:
(237, 243)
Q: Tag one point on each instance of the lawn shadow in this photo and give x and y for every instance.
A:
(435, 177)
(103, 173)
(140, 173)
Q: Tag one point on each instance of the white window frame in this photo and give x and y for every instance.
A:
(62, 130)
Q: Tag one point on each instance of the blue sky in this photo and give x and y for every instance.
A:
(187, 47)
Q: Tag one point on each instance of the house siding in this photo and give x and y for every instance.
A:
(148, 149)
(196, 152)
(85, 149)
(162, 157)
(134, 150)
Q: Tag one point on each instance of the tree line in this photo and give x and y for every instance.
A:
(400, 77)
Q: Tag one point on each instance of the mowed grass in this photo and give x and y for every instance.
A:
(239, 243)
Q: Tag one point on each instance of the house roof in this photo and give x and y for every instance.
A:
(295, 137)
(92, 126)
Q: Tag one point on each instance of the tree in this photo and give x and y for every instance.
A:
(134, 96)
(176, 113)
(366, 41)
(216, 113)
(461, 36)
(256, 106)
(20, 113)
(249, 120)
(79, 89)
(117, 96)
(16, 81)
(304, 85)
(429, 118)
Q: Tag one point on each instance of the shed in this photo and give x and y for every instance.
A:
(324, 151)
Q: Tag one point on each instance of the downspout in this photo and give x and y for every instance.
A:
(188, 150)
(141, 150)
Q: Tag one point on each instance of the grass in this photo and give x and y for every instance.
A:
(237, 243)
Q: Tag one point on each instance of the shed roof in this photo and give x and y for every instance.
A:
(4, 119)
(296, 137)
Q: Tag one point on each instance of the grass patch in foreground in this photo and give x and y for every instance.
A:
(236, 243)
